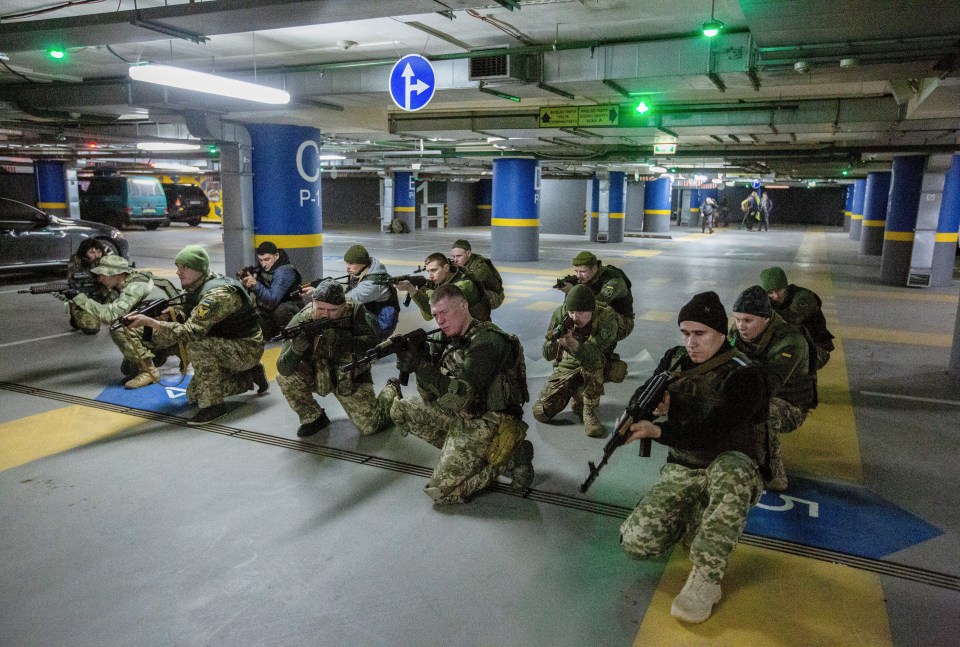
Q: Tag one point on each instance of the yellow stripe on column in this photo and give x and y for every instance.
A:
(515, 222)
(857, 216)
(404, 209)
(946, 237)
(874, 223)
(290, 241)
(51, 205)
(903, 236)
(594, 214)
(616, 215)
(657, 212)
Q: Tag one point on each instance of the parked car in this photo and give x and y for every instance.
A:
(186, 203)
(33, 239)
(124, 201)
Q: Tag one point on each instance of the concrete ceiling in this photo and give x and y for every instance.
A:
(789, 89)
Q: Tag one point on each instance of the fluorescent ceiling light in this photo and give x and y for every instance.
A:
(177, 77)
(167, 146)
(323, 157)
(183, 168)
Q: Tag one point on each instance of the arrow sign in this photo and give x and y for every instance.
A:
(412, 82)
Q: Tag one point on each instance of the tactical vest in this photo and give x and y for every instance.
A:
(478, 308)
(495, 284)
(815, 324)
(693, 398)
(800, 388)
(508, 391)
(242, 323)
(622, 305)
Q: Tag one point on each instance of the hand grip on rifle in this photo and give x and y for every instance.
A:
(311, 328)
(564, 283)
(390, 346)
(561, 329)
(152, 308)
(640, 408)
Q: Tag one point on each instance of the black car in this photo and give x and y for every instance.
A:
(33, 239)
(186, 203)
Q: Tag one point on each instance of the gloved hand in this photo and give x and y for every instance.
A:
(301, 343)
(60, 296)
(71, 294)
(413, 351)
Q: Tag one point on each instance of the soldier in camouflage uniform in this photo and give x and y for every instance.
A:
(128, 288)
(784, 352)
(88, 255)
(221, 334)
(801, 307)
(309, 364)
(481, 269)
(440, 272)
(471, 388)
(714, 427)
(611, 287)
(580, 353)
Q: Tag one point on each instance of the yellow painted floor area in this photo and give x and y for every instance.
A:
(770, 599)
(828, 604)
(45, 434)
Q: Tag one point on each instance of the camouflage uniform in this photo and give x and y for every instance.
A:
(222, 337)
(784, 353)
(472, 291)
(483, 270)
(716, 438)
(85, 320)
(612, 288)
(578, 375)
(803, 307)
(464, 397)
(303, 374)
(138, 287)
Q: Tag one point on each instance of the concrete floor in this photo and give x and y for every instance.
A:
(125, 527)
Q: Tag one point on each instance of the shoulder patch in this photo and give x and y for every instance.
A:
(202, 311)
(788, 355)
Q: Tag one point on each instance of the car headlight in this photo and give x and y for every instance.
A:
(116, 234)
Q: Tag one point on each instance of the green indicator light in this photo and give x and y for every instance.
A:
(845, 172)
(711, 28)
(56, 54)
(642, 107)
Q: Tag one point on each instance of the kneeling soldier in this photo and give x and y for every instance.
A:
(309, 364)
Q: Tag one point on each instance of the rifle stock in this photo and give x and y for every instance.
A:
(641, 409)
(570, 279)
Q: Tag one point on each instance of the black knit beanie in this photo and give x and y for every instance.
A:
(754, 301)
(705, 308)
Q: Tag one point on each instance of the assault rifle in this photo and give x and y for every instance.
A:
(247, 271)
(85, 282)
(415, 278)
(570, 279)
(388, 347)
(312, 328)
(640, 409)
(295, 291)
(152, 308)
(561, 329)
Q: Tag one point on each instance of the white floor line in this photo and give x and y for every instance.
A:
(28, 341)
(910, 397)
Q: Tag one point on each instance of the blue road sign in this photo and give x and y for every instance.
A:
(412, 82)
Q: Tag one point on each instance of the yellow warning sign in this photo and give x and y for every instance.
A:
(558, 117)
(606, 115)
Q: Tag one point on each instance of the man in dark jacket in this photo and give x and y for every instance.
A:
(274, 287)
(712, 418)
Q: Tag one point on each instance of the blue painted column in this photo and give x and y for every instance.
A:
(656, 205)
(287, 208)
(905, 185)
(593, 215)
(616, 206)
(485, 201)
(515, 221)
(51, 187)
(405, 199)
(875, 200)
(695, 198)
(848, 207)
(945, 247)
(856, 217)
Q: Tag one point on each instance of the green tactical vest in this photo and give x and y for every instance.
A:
(242, 323)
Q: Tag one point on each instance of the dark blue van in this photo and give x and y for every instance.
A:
(123, 201)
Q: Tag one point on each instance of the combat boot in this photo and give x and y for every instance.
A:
(148, 375)
(522, 472)
(576, 405)
(778, 474)
(696, 600)
(538, 413)
(591, 419)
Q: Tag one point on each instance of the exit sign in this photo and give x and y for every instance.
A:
(664, 149)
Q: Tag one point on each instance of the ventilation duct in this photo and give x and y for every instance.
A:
(523, 68)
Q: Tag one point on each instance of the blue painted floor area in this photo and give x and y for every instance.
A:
(841, 517)
(169, 397)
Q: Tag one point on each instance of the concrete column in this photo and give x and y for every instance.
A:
(405, 199)
(696, 197)
(236, 189)
(848, 207)
(287, 208)
(656, 205)
(461, 203)
(515, 233)
(945, 247)
(598, 186)
(856, 218)
(905, 185)
(616, 206)
(51, 187)
(485, 201)
(875, 201)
